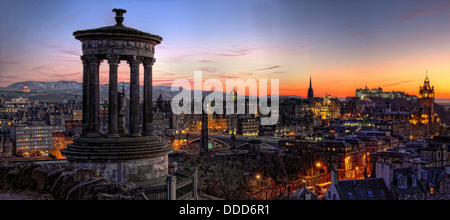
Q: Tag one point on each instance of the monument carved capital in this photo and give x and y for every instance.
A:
(84, 59)
(149, 61)
(91, 59)
(135, 60)
(113, 59)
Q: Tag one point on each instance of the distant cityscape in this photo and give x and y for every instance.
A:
(373, 135)
(97, 119)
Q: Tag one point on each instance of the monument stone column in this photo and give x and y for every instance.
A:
(85, 104)
(148, 87)
(94, 95)
(113, 108)
(135, 129)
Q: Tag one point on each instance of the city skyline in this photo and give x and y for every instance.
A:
(346, 44)
(108, 138)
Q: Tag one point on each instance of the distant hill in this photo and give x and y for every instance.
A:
(60, 86)
(63, 90)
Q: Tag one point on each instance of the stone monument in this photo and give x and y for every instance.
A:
(137, 156)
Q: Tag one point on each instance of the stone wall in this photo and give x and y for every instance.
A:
(145, 171)
(65, 183)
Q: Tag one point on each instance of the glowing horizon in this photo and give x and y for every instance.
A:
(343, 45)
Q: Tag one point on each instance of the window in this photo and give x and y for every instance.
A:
(350, 195)
(402, 182)
(431, 190)
(414, 180)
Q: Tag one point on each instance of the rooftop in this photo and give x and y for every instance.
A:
(363, 189)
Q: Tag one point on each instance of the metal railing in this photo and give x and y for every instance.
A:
(158, 192)
(181, 186)
(184, 188)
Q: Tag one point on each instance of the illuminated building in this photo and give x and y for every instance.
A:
(60, 141)
(326, 108)
(248, 126)
(5, 124)
(14, 106)
(425, 122)
(378, 93)
(217, 123)
(77, 114)
(33, 140)
(346, 155)
(426, 100)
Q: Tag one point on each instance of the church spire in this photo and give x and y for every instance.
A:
(310, 84)
(310, 90)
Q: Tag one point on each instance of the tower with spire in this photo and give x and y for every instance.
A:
(426, 99)
(425, 122)
(310, 90)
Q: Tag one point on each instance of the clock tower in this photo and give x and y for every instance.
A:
(426, 100)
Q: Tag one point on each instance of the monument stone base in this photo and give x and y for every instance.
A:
(142, 160)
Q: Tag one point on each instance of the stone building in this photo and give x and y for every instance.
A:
(165, 122)
(6, 147)
(5, 124)
(428, 183)
(416, 171)
(405, 185)
(358, 189)
(379, 93)
(326, 108)
(425, 122)
(14, 106)
(348, 157)
(436, 182)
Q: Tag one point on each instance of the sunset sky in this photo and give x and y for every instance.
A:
(341, 44)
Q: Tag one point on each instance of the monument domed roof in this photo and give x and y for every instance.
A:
(117, 32)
